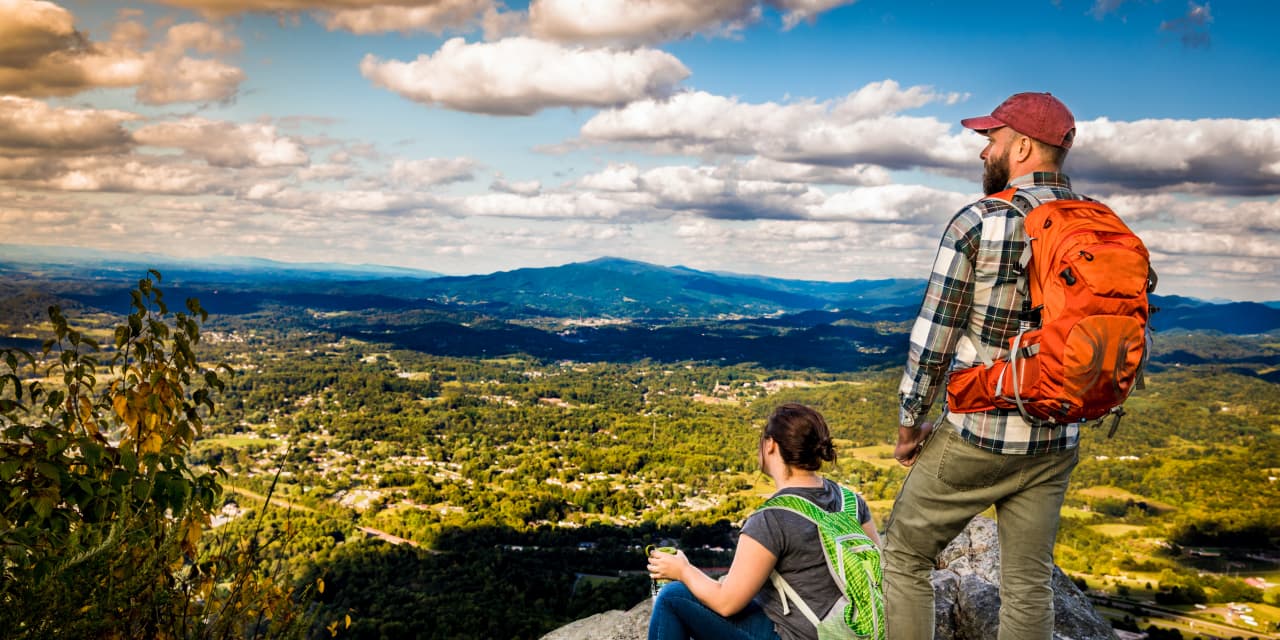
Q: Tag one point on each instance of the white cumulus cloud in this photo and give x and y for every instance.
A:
(637, 22)
(430, 171)
(435, 17)
(42, 54)
(225, 144)
(32, 126)
(892, 203)
(634, 22)
(800, 10)
(861, 128)
(1219, 156)
(521, 76)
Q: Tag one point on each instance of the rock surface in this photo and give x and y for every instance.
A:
(966, 587)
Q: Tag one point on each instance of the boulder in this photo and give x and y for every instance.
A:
(966, 587)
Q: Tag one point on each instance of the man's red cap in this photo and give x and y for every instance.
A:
(1036, 115)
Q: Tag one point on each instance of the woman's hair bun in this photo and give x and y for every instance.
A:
(827, 450)
(802, 435)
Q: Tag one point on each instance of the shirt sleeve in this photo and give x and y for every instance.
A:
(763, 527)
(864, 512)
(944, 313)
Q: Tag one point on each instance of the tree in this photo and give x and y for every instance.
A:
(100, 513)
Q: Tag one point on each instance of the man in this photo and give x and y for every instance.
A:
(976, 460)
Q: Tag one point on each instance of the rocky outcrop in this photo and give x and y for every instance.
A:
(966, 587)
(966, 592)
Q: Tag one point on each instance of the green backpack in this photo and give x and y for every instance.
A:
(854, 562)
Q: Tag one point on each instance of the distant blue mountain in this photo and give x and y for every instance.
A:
(109, 265)
(627, 288)
(1177, 312)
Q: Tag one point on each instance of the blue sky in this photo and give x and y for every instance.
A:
(814, 139)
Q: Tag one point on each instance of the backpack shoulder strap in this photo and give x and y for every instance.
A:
(809, 510)
(1020, 200)
(787, 592)
(1024, 203)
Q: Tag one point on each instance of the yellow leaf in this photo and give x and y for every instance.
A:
(121, 404)
(152, 421)
(320, 585)
(153, 444)
(348, 619)
(193, 532)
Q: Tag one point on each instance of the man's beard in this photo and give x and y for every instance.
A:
(995, 173)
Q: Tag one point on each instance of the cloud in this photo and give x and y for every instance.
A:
(435, 17)
(325, 171)
(229, 7)
(706, 191)
(615, 177)
(32, 30)
(430, 171)
(325, 203)
(758, 168)
(647, 22)
(190, 80)
(521, 76)
(861, 128)
(858, 138)
(32, 126)
(1199, 243)
(41, 54)
(1253, 216)
(729, 192)
(902, 203)
(1223, 156)
(556, 206)
(798, 11)
(133, 174)
(636, 22)
(523, 188)
(1101, 8)
(1193, 28)
(225, 144)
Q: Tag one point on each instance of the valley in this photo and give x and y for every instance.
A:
(430, 461)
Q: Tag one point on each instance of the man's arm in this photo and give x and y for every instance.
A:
(943, 317)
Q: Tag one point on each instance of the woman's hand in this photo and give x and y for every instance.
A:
(664, 566)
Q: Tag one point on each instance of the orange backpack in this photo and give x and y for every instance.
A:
(1088, 278)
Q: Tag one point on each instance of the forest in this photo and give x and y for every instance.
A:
(436, 495)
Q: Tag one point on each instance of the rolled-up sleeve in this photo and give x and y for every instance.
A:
(943, 316)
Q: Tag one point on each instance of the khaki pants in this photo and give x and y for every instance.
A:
(951, 482)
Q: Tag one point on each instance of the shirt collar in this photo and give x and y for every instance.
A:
(1042, 179)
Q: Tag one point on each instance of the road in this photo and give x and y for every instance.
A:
(287, 504)
(1153, 611)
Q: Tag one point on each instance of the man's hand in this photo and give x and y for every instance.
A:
(910, 441)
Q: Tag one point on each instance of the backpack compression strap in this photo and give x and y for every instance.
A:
(787, 592)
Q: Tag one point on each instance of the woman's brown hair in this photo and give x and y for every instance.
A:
(802, 436)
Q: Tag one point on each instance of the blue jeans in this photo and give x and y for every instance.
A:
(677, 615)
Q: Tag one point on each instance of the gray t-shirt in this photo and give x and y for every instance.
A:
(794, 540)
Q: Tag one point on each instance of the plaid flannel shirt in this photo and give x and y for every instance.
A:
(974, 288)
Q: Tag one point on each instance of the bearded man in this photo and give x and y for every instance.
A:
(971, 461)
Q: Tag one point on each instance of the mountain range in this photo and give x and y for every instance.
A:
(605, 287)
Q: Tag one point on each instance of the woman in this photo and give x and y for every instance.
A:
(793, 446)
